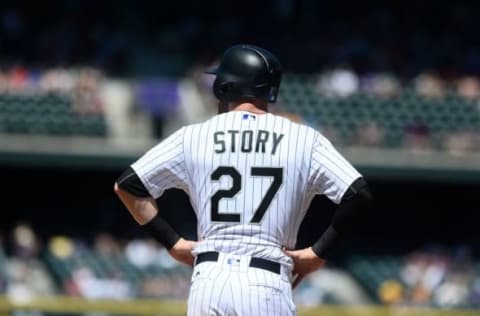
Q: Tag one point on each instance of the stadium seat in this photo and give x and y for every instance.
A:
(47, 115)
(449, 114)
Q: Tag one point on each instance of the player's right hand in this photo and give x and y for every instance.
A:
(182, 251)
(305, 261)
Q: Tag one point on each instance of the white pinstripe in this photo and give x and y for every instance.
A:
(222, 288)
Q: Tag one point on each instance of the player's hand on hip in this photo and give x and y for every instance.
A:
(182, 251)
(305, 261)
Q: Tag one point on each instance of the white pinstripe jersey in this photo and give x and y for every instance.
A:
(250, 179)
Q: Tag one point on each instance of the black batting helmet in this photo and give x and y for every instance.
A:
(247, 71)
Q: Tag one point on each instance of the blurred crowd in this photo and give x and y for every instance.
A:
(108, 267)
(160, 51)
(134, 107)
(343, 81)
(103, 268)
(118, 269)
(435, 278)
(417, 133)
(155, 106)
(22, 274)
(82, 84)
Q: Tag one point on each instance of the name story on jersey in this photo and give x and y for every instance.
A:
(246, 141)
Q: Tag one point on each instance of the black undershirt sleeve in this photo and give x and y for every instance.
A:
(356, 201)
(158, 227)
(130, 182)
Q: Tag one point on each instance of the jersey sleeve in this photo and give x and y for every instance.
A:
(163, 166)
(330, 173)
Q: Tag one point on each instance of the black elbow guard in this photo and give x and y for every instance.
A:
(130, 182)
(354, 202)
(358, 189)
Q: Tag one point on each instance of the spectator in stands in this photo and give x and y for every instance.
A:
(196, 102)
(474, 297)
(417, 136)
(18, 79)
(452, 292)
(27, 275)
(391, 292)
(61, 247)
(439, 279)
(460, 143)
(105, 245)
(25, 243)
(369, 134)
(339, 82)
(422, 273)
(90, 286)
(171, 286)
(57, 80)
(380, 85)
(86, 94)
(429, 86)
(141, 252)
(160, 98)
(468, 87)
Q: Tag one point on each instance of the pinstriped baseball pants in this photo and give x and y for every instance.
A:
(229, 287)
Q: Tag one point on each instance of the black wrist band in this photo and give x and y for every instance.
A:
(324, 247)
(162, 232)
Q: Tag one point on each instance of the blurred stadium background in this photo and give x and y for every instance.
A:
(86, 87)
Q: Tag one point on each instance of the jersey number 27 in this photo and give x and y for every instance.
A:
(216, 216)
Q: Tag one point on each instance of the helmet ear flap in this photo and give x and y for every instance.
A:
(225, 87)
(221, 89)
(272, 94)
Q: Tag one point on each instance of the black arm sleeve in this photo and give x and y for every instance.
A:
(158, 226)
(355, 201)
(130, 182)
(162, 231)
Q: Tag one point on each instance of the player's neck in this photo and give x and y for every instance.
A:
(250, 107)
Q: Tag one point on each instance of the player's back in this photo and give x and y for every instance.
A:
(248, 182)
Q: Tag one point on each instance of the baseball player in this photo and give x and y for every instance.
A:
(250, 176)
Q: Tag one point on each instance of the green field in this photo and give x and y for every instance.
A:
(63, 305)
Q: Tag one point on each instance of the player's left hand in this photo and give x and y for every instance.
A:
(182, 251)
(305, 262)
